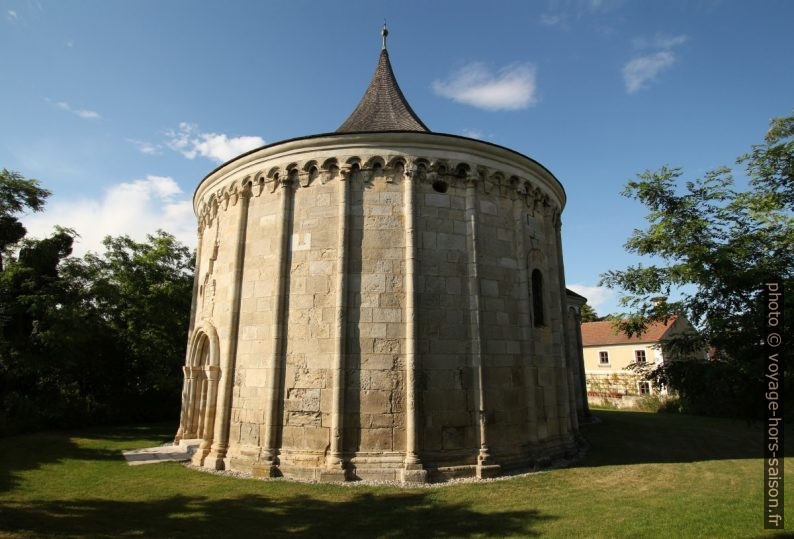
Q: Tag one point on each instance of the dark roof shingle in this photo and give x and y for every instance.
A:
(383, 106)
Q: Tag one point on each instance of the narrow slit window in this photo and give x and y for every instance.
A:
(537, 298)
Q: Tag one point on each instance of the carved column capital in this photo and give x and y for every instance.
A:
(213, 372)
(345, 173)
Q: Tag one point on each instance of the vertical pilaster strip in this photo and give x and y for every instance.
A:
(483, 456)
(568, 368)
(191, 326)
(220, 436)
(274, 364)
(557, 325)
(525, 321)
(413, 470)
(580, 361)
(334, 462)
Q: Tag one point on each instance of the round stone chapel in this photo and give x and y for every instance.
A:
(381, 302)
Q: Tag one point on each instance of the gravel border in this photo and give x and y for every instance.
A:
(510, 474)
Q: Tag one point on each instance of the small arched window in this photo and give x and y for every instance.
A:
(537, 298)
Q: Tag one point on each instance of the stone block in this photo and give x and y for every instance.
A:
(321, 267)
(386, 315)
(375, 401)
(249, 434)
(303, 419)
(376, 439)
(303, 399)
(373, 282)
(437, 200)
(452, 437)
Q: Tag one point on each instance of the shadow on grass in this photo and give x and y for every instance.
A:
(31, 451)
(393, 515)
(623, 437)
(160, 432)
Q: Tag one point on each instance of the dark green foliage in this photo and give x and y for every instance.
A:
(92, 340)
(588, 314)
(718, 246)
(17, 194)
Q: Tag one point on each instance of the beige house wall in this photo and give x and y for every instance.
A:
(616, 379)
(620, 357)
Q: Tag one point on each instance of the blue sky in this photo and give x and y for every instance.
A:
(120, 108)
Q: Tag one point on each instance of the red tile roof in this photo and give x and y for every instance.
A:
(602, 333)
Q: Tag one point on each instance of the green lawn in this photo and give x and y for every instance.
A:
(645, 475)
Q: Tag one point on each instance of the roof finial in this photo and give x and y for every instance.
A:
(384, 33)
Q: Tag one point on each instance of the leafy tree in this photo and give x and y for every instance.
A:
(588, 314)
(717, 246)
(33, 298)
(16, 195)
(142, 293)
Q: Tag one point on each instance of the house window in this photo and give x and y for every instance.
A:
(639, 357)
(603, 358)
(537, 298)
(645, 388)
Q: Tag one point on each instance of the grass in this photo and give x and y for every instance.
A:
(646, 475)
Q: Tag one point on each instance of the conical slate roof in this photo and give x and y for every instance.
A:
(383, 107)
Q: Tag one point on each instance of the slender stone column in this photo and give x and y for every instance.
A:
(485, 468)
(412, 466)
(274, 364)
(180, 433)
(212, 373)
(201, 404)
(335, 469)
(220, 438)
(524, 320)
(189, 431)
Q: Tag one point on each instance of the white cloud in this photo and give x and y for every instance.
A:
(134, 208)
(512, 88)
(82, 113)
(70, 43)
(640, 71)
(146, 147)
(660, 41)
(11, 15)
(191, 142)
(563, 12)
(551, 20)
(597, 296)
(473, 133)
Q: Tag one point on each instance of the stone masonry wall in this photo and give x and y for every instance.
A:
(490, 386)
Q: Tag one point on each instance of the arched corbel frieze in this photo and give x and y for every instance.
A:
(396, 169)
(330, 169)
(309, 172)
(493, 180)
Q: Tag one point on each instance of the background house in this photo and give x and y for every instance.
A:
(608, 354)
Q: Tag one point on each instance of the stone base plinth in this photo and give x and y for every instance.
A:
(336, 475)
(413, 476)
(265, 469)
(486, 471)
(213, 461)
